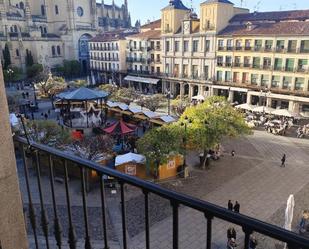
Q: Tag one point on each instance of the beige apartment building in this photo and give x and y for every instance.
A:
(108, 57)
(263, 58)
(144, 62)
(54, 30)
(189, 45)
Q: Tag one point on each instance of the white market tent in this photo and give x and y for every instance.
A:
(129, 158)
(14, 120)
(285, 113)
(245, 107)
(199, 97)
(265, 109)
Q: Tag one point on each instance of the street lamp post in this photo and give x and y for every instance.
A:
(185, 124)
(169, 95)
(10, 72)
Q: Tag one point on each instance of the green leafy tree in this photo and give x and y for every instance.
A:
(35, 71)
(48, 132)
(153, 102)
(51, 86)
(124, 95)
(29, 59)
(71, 68)
(179, 105)
(78, 83)
(15, 74)
(158, 144)
(111, 89)
(6, 57)
(93, 148)
(211, 122)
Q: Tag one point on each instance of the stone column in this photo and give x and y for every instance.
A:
(190, 91)
(231, 96)
(291, 106)
(268, 101)
(249, 98)
(12, 228)
(182, 89)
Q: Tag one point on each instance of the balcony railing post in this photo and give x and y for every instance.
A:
(104, 224)
(32, 217)
(57, 225)
(209, 219)
(147, 224)
(72, 236)
(123, 214)
(248, 233)
(175, 207)
(44, 221)
(85, 210)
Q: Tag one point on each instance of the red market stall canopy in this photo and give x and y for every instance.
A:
(120, 127)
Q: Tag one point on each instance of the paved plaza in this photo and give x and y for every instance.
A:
(253, 177)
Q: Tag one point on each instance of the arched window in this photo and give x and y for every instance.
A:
(56, 10)
(53, 51)
(43, 10)
(11, 29)
(21, 5)
(17, 52)
(15, 29)
(41, 28)
(58, 50)
(45, 30)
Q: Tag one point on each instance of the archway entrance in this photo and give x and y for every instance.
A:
(84, 52)
(195, 91)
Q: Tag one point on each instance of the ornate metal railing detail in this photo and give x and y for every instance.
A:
(210, 211)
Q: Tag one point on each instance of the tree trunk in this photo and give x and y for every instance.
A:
(204, 160)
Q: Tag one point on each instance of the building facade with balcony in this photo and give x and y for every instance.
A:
(108, 57)
(56, 30)
(189, 45)
(264, 58)
(144, 61)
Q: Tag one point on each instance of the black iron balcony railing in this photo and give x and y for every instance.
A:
(210, 211)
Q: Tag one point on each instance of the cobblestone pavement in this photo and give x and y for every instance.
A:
(253, 177)
(261, 187)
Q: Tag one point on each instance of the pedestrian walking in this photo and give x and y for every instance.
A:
(24, 95)
(27, 95)
(230, 205)
(233, 153)
(32, 116)
(231, 244)
(231, 233)
(46, 116)
(236, 207)
(283, 161)
(253, 242)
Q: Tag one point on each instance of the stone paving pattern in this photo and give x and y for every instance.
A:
(254, 178)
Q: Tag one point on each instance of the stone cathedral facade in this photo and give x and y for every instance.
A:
(56, 30)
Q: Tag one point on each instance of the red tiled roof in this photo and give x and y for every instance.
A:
(153, 25)
(279, 28)
(112, 36)
(300, 15)
(151, 34)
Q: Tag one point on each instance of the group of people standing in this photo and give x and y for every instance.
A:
(232, 207)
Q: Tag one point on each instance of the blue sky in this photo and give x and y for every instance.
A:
(150, 9)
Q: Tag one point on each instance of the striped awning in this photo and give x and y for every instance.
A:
(142, 79)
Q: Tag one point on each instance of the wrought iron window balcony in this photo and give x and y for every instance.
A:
(61, 159)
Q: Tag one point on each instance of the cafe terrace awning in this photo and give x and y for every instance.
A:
(142, 80)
